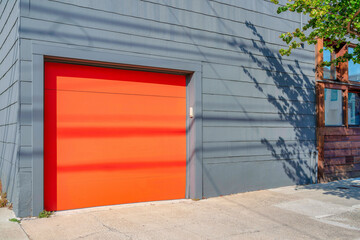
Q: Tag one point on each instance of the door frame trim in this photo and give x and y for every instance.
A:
(192, 71)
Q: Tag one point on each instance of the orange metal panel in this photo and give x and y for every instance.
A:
(113, 136)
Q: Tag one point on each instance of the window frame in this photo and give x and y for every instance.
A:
(356, 90)
(347, 72)
(333, 70)
(344, 105)
(340, 71)
(340, 82)
(356, 93)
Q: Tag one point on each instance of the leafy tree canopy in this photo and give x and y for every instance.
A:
(335, 20)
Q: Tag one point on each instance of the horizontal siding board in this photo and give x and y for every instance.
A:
(337, 153)
(276, 149)
(8, 135)
(8, 60)
(26, 92)
(225, 134)
(342, 168)
(227, 10)
(232, 88)
(24, 179)
(342, 132)
(41, 30)
(10, 30)
(9, 65)
(201, 7)
(233, 16)
(5, 161)
(2, 7)
(87, 48)
(26, 170)
(341, 152)
(246, 119)
(3, 148)
(8, 177)
(341, 145)
(10, 10)
(262, 7)
(26, 70)
(334, 160)
(341, 175)
(10, 96)
(11, 149)
(250, 176)
(258, 105)
(25, 52)
(294, 78)
(9, 78)
(184, 17)
(9, 115)
(341, 138)
(355, 152)
(252, 158)
(25, 157)
(202, 38)
(26, 135)
(26, 114)
(210, 70)
(138, 26)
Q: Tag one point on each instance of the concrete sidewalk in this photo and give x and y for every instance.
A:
(321, 211)
(10, 230)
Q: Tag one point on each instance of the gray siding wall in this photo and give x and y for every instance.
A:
(258, 107)
(9, 99)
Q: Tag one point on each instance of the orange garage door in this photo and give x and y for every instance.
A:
(112, 136)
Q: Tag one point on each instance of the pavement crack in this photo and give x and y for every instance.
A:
(87, 235)
(27, 235)
(111, 229)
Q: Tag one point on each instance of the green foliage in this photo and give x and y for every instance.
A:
(45, 214)
(335, 20)
(14, 220)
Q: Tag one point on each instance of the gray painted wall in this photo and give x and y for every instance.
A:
(9, 101)
(258, 107)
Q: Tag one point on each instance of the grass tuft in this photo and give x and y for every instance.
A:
(14, 220)
(45, 214)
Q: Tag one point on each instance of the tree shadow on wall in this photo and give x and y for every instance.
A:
(295, 104)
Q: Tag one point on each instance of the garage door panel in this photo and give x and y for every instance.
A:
(141, 188)
(109, 80)
(120, 136)
(134, 119)
(151, 149)
(147, 169)
(79, 108)
(121, 87)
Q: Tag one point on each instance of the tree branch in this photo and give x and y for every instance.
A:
(350, 27)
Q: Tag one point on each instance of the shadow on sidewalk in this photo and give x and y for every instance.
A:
(348, 189)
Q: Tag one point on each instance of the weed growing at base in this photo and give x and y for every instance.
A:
(45, 214)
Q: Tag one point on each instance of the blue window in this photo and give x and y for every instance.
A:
(334, 96)
(329, 71)
(333, 107)
(354, 108)
(354, 69)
